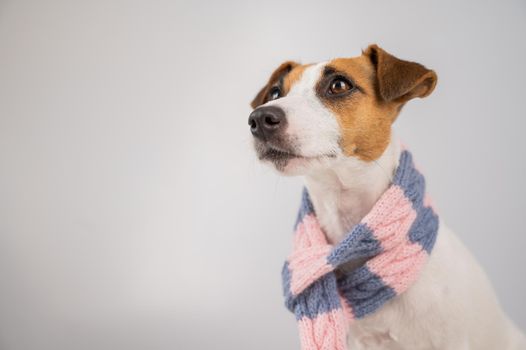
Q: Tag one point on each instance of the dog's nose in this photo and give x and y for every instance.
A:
(265, 121)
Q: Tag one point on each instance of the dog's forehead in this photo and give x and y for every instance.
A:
(304, 78)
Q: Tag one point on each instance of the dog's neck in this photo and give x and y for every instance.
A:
(343, 194)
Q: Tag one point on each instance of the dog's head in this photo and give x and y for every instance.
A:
(308, 117)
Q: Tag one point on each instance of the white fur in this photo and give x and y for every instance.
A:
(452, 305)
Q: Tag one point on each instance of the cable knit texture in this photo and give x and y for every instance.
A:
(396, 237)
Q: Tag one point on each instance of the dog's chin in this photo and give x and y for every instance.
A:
(291, 163)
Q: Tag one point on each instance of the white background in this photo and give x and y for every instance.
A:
(133, 213)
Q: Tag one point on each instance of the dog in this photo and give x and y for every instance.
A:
(331, 123)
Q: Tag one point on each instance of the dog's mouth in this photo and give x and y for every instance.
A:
(276, 154)
(281, 156)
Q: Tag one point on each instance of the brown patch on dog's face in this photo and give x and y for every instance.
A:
(365, 121)
(280, 82)
(367, 94)
(275, 82)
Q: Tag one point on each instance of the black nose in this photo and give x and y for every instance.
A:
(265, 121)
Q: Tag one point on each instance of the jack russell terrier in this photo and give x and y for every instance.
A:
(373, 267)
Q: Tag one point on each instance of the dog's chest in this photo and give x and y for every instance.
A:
(338, 213)
(331, 220)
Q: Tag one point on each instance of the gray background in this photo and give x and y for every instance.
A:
(133, 214)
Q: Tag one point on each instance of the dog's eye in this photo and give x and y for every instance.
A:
(339, 86)
(274, 93)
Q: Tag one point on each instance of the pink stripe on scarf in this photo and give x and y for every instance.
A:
(325, 332)
(400, 263)
(391, 229)
(399, 267)
(308, 261)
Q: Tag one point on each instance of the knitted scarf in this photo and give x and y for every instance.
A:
(396, 238)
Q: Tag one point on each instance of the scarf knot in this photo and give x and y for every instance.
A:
(395, 237)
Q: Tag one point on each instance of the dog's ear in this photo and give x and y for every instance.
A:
(399, 80)
(278, 74)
